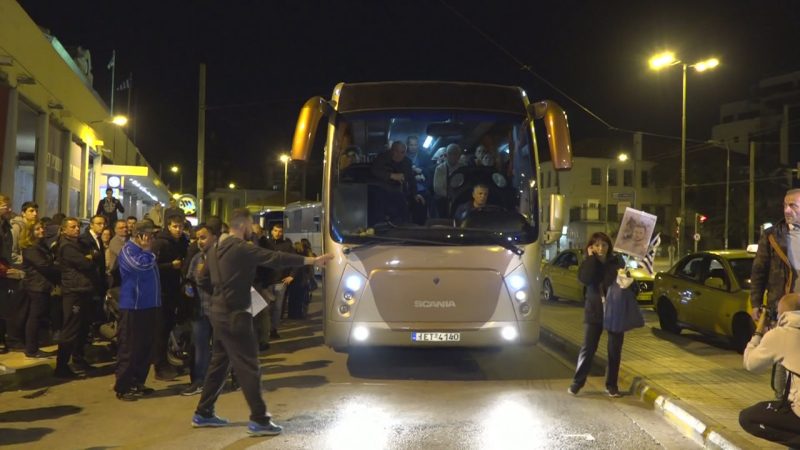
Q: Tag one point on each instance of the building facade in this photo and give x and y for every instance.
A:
(57, 144)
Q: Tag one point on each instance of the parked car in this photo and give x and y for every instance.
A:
(707, 292)
(560, 278)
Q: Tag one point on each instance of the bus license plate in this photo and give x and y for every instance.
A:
(435, 337)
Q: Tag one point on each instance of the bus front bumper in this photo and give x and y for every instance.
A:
(341, 335)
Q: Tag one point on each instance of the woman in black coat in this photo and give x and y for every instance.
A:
(598, 271)
(41, 275)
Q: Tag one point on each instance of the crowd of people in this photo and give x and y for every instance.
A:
(60, 283)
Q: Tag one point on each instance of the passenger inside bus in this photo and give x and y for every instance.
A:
(405, 183)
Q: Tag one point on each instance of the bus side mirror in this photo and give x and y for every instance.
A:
(555, 121)
(306, 130)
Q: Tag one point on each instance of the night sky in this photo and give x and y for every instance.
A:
(265, 58)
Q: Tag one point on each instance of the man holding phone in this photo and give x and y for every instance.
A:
(140, 306)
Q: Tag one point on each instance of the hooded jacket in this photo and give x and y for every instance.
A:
(778, 345)
(770, 274)
(231, 268)
(17, 225)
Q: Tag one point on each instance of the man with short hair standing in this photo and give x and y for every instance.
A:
(27, 217)
(139, 305)
(121, 234)
(109, 206)
(170, 247)
(78, 271)
(230, 270)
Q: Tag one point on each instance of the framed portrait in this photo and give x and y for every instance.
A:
(635, 232)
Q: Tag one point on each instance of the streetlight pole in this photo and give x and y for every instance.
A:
(285, 160)
(727, 188)
(668, 59)
(681, 235)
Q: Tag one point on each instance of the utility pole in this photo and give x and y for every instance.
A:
(751, 208)
(201, 140)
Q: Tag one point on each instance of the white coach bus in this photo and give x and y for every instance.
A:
(406, 271)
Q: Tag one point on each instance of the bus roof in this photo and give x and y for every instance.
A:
(375, 96)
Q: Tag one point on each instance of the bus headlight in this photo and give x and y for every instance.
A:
(509, 333)
(525, 308)
(349, 297)
(360, 333)
(344, 310)
(353, 282)
(517, 282)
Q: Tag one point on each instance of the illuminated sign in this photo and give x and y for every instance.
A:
(114, 181)
(188, 203)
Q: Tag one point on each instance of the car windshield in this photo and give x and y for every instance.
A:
(741, 268)
(427, 177)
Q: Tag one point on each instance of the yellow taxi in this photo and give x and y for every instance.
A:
(560, 278)
(707, 292)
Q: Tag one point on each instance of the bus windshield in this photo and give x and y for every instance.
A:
(426, 177)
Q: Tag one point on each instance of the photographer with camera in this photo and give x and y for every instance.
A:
(777, 420)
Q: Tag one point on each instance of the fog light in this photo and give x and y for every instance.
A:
(524, 308)
(509, 333)
(360, 333)
(521, 296)
(344, 310)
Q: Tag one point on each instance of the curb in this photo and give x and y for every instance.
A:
(688, 420)
(11, 378)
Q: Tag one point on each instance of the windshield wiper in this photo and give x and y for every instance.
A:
(373, 240)
(497, 240)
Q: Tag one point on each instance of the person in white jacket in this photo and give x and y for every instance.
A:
(777, 420)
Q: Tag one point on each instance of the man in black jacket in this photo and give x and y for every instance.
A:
(278, 280)
(170, 248)
(78, 272)
(229, 272)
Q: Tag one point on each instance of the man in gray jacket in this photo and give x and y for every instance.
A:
(230, 270)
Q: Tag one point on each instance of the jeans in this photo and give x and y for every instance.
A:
(201, 337)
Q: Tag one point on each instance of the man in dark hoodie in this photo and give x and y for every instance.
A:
(230, 270)
(170, 248)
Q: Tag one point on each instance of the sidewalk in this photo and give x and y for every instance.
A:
(16, 370)
(697, 383)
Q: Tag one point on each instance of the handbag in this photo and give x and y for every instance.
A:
(621, 310)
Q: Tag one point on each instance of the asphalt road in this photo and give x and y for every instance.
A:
(377, 399)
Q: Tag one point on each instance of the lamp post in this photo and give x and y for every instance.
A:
(622, 157)
(177, 170)
(285, 160)
(667, 59)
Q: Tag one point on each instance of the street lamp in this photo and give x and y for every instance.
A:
(658, 62)
(285, 160)
(118, 120)
(177, 170)
(231, 185)
(622, 157)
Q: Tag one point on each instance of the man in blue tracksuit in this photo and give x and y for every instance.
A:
(139, 304)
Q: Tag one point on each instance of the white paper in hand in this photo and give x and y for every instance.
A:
(257, 302)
